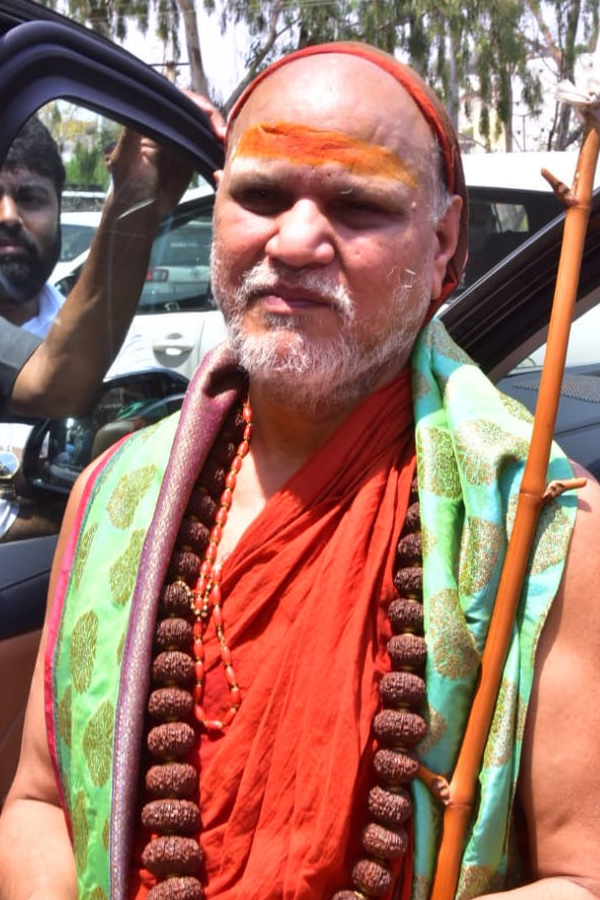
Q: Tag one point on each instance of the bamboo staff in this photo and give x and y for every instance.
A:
(458, 796)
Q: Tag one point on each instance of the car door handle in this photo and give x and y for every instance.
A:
(173, 345)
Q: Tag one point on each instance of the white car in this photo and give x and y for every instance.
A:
(77, 230)
(176, 315)
(523, 201)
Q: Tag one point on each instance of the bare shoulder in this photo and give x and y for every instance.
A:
(584, 553)
(560, 776)
(574, 619)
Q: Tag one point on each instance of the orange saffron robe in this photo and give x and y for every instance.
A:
(283, 792)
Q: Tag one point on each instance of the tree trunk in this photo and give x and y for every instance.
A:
(508, 125)
(198, 80)
(453, 85)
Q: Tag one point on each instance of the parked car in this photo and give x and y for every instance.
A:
(81, 200)
(77, 230)
(509, 201)
(176, 316)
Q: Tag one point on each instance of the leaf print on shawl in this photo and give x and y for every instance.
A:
(64, 716)
(83, 650)
(454, 654)
(479, 447)
(81, 831)
(481, 544)
(97, 743)
(438, 472)
(83, 553)
(123, 572)
(129, 491)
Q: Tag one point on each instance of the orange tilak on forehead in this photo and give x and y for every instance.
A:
(312, 147)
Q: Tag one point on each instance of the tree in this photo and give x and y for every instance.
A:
(461, 47)
(574, 31)
(82, 142)
(468, 51)
(476, 55)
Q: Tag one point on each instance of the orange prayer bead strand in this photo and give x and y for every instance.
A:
(207, 599)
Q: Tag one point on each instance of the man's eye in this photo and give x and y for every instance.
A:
(363, 205)
(349, 206)
(32, 199)
(260, 199)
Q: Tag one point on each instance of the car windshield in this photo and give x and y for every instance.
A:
(76, 239)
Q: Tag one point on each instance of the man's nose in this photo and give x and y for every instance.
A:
(303, 236)
(9, 210)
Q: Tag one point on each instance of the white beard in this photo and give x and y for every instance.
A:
(317, 375)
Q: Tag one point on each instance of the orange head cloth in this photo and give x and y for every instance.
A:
(432, 111)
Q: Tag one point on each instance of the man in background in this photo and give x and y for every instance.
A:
(31, 184)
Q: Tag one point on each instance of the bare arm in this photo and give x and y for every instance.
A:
(36, 858)
(63, 374)
(560, 774)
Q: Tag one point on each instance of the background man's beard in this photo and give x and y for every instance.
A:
(319, 374)
(21, 279)
(23, 276)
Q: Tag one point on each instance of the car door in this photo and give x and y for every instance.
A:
(502, 322)
(47, 60)
(44, 57)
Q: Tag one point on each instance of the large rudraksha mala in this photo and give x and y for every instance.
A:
(398, 727)
(172, 814)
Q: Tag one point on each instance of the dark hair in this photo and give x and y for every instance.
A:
(35, 149)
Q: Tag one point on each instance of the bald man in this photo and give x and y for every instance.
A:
(267, 614)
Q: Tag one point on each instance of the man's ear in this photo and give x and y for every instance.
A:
(447, 230)
(218, 173)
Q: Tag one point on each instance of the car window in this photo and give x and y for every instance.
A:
(179, 272)
(75, 240)
(500, 220)
(176, 322)
(128, 405)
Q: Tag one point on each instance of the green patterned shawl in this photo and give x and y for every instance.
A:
(471, 444)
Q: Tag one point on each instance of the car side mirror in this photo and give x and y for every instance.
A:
(59, 449)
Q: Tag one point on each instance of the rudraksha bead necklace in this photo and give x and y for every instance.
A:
(206, 595)
(398, 727)
(190, 600)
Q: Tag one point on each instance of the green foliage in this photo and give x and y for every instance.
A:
(86, 168)
(82, 142)
(475, 53)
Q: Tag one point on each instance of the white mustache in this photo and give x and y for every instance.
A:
(261, 278)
